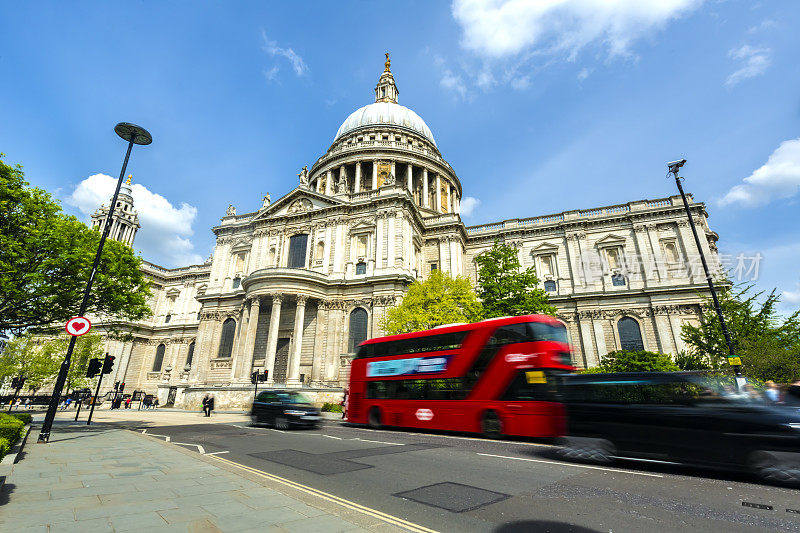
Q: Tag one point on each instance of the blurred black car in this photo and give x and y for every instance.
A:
(679, 417)
(284, 409)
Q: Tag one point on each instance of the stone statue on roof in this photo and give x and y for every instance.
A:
(303, 177)
(266, 201)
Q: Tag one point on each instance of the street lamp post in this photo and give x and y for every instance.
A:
(674, 167)
(134, 135)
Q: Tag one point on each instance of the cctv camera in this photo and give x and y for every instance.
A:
(675, 165)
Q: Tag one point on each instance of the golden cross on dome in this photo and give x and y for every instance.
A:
(387, 64)
(128, 181)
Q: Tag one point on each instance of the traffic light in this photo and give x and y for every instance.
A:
(263, 376)
(122, 386)
(17, 383)
(116, 386)
(108, 364)
(94, 367)
(254, 378)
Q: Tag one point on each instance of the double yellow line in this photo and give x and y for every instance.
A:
(399, 522)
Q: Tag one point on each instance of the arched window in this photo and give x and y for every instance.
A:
(358, 328)
(167, 319)
(236, 282)
(320, 253)
(361, 268)
(618, 280)
(630, 336)
(550, 285)
(298, 244)
(190, 355)
(226, 341)
(159, 360)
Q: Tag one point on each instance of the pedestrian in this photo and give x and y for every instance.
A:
(128, 402)
(344, 403)
(27, 403)
(155, 402)
(772, 392)
(210, 405)
(205, 405)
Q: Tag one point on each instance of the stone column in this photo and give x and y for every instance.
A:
(272, 336)
(329, 183)
(343, 174)
(394, 173)
(410, 179)
(390, 244)
(425, 196)
(379, 242)
(449, 198)
(456, 205)
(239, 342)
(250, 339)
(357, 187)
(437, 197)
(374, 174)
(318, 361)
(293, 378)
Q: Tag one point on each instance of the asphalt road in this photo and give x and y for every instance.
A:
(461, 483)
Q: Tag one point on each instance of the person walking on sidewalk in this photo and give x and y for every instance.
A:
(205, 405)
(210, 405)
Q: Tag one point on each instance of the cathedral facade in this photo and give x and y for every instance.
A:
(294, 287)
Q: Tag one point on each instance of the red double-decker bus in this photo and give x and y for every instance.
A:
(495, 377)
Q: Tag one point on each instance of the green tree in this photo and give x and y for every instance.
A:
(635, 361)
(440, 299)
(505, 289)
(46, 258)
(768, 343)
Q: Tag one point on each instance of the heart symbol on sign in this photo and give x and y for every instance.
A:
(78, 326)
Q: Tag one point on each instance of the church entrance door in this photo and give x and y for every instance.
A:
(281, 361)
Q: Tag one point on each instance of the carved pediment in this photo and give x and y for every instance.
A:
(610, 240)
(544, 248)
(297, 202)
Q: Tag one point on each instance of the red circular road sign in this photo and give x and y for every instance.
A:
(77, 326)
(424, 414)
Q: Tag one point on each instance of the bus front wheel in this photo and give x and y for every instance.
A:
(491, 425)
(374, 418)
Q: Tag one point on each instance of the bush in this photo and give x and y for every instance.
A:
(5, 447)
(11, 428)
(332, 408)
(25, 417)
(638, 361)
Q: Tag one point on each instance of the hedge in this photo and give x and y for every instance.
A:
(11, 428)
(25, 417)
(332, 408)
(4, 447)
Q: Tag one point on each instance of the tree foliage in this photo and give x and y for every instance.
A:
(635, 361)
(505, 289)
(46, 258)
(38, 359)
(768, 344)
(439, 299)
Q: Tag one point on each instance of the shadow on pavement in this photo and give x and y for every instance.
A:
(542, 526)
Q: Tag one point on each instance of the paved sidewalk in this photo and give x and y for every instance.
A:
(107, 479)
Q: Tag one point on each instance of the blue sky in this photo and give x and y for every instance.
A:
(567, 104)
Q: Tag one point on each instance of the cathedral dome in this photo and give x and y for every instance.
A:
(388, 113)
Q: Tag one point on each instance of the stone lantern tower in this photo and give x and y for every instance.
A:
(125, 222)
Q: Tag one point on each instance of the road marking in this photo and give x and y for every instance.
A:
(405, 524)
(480, 439)
(573, 465)
(332, 437)
(215, 453)
(199, 448)
(165, 437)
(379, 442)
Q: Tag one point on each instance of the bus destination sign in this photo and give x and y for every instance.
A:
(404, 367)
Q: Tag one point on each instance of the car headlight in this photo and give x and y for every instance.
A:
(794, 425)
(292, 412)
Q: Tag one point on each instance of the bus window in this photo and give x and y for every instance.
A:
(542, 331)
(534, 385)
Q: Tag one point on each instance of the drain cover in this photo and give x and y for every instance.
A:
(453, 497)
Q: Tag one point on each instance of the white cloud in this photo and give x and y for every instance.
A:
(765, 25)
(163, 237)
(454, 83)
(584, 73)
(791, 297)
(503, 28)
(272, 73)
(468, 205)
(271, 47)
(756, 61)
(778, 178)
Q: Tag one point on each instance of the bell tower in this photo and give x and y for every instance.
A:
(386, 90)
(125, 221)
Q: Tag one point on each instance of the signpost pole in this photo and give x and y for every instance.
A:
(80, 403)
(94, 401)
(134, 135)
